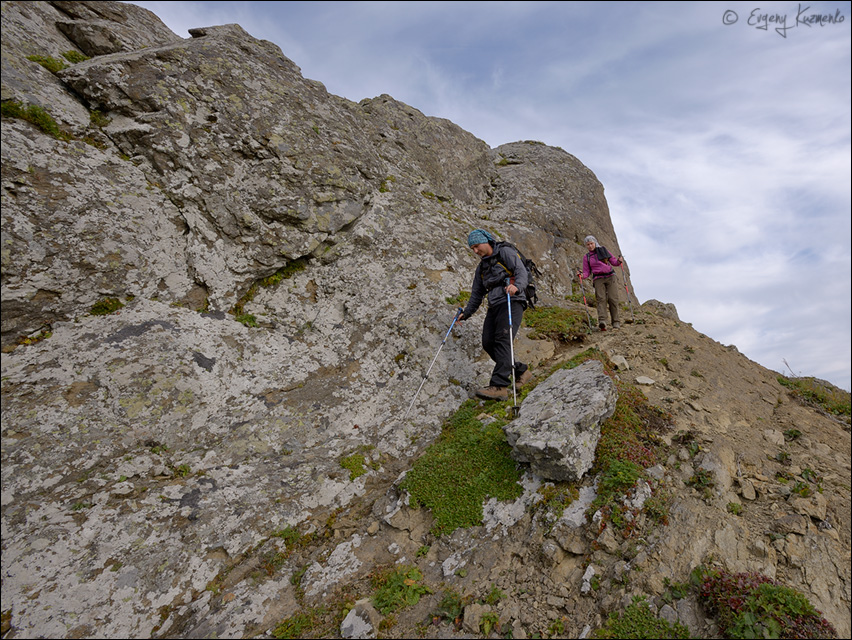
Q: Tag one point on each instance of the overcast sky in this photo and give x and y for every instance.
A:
(720, 131)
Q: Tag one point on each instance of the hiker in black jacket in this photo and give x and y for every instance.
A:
(497, 263)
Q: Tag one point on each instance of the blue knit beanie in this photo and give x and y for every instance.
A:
(479, 236)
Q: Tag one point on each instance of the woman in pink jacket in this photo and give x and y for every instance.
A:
(598, 264)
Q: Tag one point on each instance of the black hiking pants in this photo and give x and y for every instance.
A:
(496, 342)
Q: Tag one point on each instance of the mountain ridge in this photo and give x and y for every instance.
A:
(220, 283)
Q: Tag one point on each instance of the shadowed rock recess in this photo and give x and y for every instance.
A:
(221, 289)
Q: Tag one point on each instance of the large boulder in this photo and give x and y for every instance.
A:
(558, 427)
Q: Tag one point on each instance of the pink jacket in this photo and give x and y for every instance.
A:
(592, 266)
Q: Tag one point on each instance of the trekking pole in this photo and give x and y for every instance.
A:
(426, 375)
(515, 408)
(585, 304)
(629, 301)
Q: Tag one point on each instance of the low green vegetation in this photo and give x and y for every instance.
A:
(301, 625)
(639, 621)
(289, 534)
(44, 334)
(98, 119)
(628, 445)
(354, 464)
(459, 300)
(75, 56)
(751, 605)
(284, 273)
(451, 606)
(494, 596)
(487, 622)
(701, 479)
(555, 498)
(55, 65)
(819, 394)
(106, 306)
(48, 62)
(247, 319)
(397, 588)
(36, 116)
(556, 323)
(468, 463)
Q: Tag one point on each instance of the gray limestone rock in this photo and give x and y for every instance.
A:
(285, 259)
(558, 426)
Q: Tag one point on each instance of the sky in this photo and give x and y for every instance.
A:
(719, 130)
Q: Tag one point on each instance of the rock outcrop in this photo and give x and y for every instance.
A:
(558, 426)
(221, 286)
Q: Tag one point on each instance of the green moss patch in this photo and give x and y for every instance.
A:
(51, 64)
(284, 273)
(467, 464)
(106, 306)
(355, 465)
(555, 323)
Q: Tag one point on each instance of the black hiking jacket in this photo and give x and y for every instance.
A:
(490, 279)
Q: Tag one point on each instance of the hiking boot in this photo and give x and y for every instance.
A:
(602, 326)
(493, 393)
(525, 377)
(616, 325)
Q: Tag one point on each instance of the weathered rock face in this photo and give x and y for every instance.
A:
(558, 427)
(211, 163)
(186, 172)
(151, 457)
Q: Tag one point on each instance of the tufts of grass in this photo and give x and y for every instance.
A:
(468, 463)
(638, 621)
(819, 394)
(556, 323)
(106, 306)
(459, 300)
(36, 116)
(97, 119)
(51, 64)
(289, 534)
(284, 273)
(74, 57)
(301, 625)
(247, 319)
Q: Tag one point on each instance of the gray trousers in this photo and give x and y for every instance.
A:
(606, 294)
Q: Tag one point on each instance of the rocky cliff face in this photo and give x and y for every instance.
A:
(285, 263)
